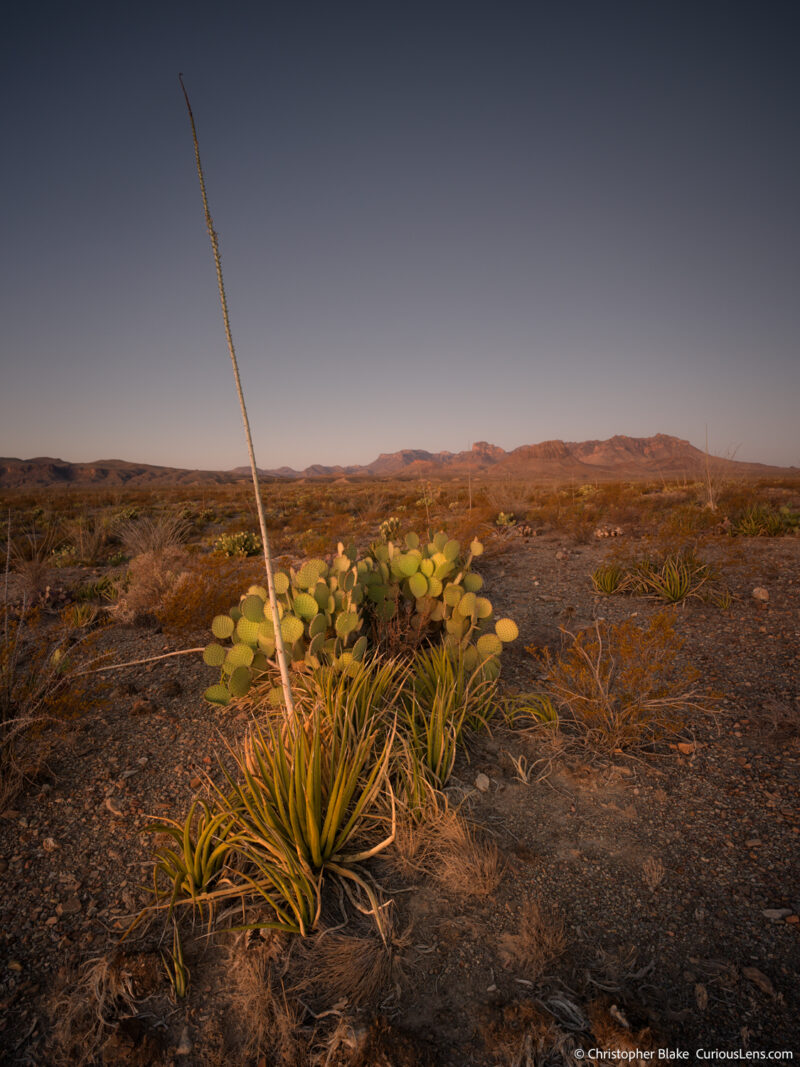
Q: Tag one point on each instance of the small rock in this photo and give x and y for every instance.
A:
(686, 747)
(760, 593)
(482, 783)
(759, 979)
(142, 707)
(185, 1046)
(195, 782)
(776, 914)
(701, 996)
(753, 843)
(793, 919)
(49, 844)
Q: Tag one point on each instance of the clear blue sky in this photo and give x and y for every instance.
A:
(439, 223)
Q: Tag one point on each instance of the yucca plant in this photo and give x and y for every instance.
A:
(176, 970)
(609, 578)
(679, 577)
(444, 668)
(203, 847)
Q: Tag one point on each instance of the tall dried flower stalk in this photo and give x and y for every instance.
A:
(280, 651)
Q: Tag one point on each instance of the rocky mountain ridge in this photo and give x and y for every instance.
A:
(618, 458)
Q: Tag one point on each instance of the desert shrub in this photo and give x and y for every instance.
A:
(243, 543)
(624, 686)
(150, 578)
(205, 586)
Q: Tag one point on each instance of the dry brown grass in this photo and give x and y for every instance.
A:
(459, 859)
(89, 1004)
(336, 967)
(264, 1020)
(538, 941)
(151, 576)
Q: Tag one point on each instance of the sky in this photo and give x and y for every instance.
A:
(439, 223)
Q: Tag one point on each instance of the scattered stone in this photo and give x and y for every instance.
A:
(760, 593)
(49, 844)
(793, 919)
(142, 706)
(753, 843)
(185, 1046)
(759, 979)
(701, 996)
(482, 783)
(776, 914)
(686, 747)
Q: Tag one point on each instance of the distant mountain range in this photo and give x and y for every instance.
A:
(619, 458)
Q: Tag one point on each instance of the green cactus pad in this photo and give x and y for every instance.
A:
(506, 630)
(427, 566)
(386, 610)
(412, 540)
(476, 548)
(248, 631)
(222, 626)
(346, 623)
(472, 582)
(281, 583)
(467, 605)
(238, 656)
(311, 571)
(214, 654)
(452, 594)
(489, 645)
(292, 629)
(316, 645)
(239, 682)
(305, 606)
(484, 607)
(275, 696)
(258, 590)
(418, 584)
(434, 587)
(252, 608)
(318, 625)
(260, 663)
(451, 551)
(218, 694)
(440, 540)
(359, 649)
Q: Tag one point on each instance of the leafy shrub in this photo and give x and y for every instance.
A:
(623, 686)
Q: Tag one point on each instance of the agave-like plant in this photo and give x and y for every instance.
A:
(203, 847)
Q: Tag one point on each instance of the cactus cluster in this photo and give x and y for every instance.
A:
(243, 543)
(331, 613)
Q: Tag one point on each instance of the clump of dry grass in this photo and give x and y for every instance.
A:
(335, 966)
(538, 941)
(150, 578)
(88, 1005)
(266, 1019)
(460, 860)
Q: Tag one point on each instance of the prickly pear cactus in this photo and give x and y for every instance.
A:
(331, 613)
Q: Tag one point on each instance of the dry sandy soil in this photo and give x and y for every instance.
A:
(650, 903)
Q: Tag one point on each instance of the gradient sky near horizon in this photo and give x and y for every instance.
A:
(439, 223)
